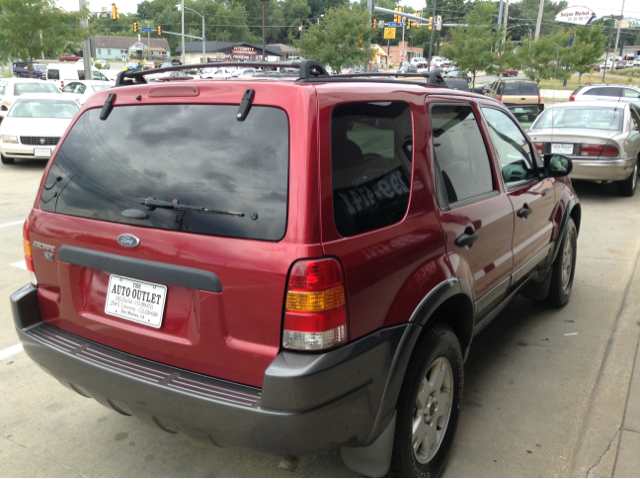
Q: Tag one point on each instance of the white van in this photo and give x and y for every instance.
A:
(61, 74)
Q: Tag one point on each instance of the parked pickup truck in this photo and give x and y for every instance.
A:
(39, 71)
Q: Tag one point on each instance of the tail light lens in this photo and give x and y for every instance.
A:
(500, 98)
(573, 97)
(539, 146)
(315, 315)
(539, 99)
(61, 84)
(27, 253)
(607, 151)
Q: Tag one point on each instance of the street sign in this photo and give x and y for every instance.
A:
(394, 24)
(401, 58)
(389, 33)
(147, 29)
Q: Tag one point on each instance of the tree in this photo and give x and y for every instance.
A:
(471, 45)
(589, 43)
(339, 39)
(542, 59)
(524, 15)
(22, 23)
(504, 55)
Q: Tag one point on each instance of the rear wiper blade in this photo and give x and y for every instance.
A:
(152, 203)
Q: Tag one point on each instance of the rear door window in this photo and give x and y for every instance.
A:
(629, 93)
(371, 155)
(464, 167)
(214, 175)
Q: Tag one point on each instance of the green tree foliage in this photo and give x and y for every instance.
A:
(505, 56)
(589, 44)
(524, 15)
(339, 39)
(544, 58)
(471, 46)
(294, 12)
(22, 22)
(318, 7)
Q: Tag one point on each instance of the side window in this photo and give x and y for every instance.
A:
(69, 88)
(500, 88)
(98, 75)
(80, 88)
(464, 168)
(53, 74)
(513, 148)
(629, 93)
(511, 89)
(635, 120)
(371, 155)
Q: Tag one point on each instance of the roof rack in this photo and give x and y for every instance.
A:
(310, 71)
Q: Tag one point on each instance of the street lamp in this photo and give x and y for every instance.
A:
(181, 6)
(264, 43)
(321, 16)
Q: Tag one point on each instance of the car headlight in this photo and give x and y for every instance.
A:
(9, 139)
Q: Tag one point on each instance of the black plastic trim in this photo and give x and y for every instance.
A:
(572, 203)
(142, 269)
(24, 306)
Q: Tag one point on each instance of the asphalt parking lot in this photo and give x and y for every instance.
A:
(545, 389)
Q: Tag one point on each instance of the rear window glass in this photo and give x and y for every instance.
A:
(528, 89)
(595, 118)
(53, 74)
(371, 153)
(44, 109)
(43, 87)
(603, 91)
(189, 156)
(510, 89)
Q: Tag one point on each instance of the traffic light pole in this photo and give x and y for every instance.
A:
(86, 47)
(433, 28)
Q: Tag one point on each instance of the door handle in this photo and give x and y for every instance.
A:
(464, 239)
(524, 212)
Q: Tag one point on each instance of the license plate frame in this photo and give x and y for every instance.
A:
(136, 300)
(562, 148)
(42, 152)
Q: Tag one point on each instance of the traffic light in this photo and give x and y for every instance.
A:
(159, 30)
(396, 18)
(114, 12)
(417, 24)
(430, 23)
(375, 23)
(135, 27)
(408, 24)
(88, 17)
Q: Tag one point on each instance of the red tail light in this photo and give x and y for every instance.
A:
(315, 311)
(539, 146)
(539, 99)
(573, 97)
(500, 98)
(61, 84)
(608, 151)
(28, 259)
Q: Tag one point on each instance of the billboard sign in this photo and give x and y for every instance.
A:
(575, 15)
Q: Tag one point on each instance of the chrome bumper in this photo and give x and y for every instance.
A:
(614, 169)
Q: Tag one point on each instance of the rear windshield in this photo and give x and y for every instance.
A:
(44, 109)
(21, 88)
(53, 74)
(528, 89)
(189, 156)
(594, 118)
(510, 89)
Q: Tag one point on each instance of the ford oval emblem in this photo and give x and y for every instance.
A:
(128, 241)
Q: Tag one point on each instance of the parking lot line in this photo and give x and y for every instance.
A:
(10, 351)
(20, 264)
(12, 224)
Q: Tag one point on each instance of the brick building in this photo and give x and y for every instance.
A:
(396, 50)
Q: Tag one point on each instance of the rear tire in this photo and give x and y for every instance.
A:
(428, 405)
(628, 187)
(7, 161)
(563, 269)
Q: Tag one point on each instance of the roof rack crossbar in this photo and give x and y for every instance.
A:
(309, 70)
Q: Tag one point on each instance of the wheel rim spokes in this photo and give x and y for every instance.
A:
(567, 263)
(432, 410)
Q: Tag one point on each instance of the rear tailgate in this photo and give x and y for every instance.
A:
(215, 277)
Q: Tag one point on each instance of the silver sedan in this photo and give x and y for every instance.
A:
(601, 137)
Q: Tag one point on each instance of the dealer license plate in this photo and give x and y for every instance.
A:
(42, 152)
(562, 148)
(136, 300)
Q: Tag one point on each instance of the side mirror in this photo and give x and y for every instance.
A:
(556, 166)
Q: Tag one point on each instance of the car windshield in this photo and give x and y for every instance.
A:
(43, 109)
(100, 87)
(34, 87)
(590, 117)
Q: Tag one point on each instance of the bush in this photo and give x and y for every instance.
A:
(98, 65)
(145, 68)
(192, 72)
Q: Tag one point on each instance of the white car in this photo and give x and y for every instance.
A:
(222, 72)
(105, 63)
(12, 88)
(243, 72)
(34, 124)
(83, 89)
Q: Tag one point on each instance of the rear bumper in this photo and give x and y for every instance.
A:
(602, 169)
(308, 403)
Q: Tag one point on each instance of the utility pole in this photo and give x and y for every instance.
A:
(615, 49)
(500, 13)
(433, 28)
(86, 48)
(606, 59)
(148, 42)
(539, 22)
(182, 9)
(506, 21)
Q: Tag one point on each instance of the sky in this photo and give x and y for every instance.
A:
(601, 7)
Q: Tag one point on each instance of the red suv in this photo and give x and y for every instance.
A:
(293, 266)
